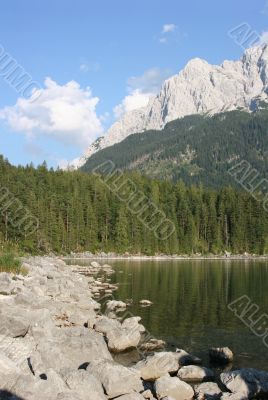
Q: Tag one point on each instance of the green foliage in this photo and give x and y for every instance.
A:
(9, 263)
(196, 149)
(78, 212)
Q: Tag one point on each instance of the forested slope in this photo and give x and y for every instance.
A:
(196, 149)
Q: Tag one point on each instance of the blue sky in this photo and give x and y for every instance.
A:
(107, 49)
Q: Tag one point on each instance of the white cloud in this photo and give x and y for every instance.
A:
(263, 38)
(66, 113)
(168, 28)
(140, 89)
(131, 102)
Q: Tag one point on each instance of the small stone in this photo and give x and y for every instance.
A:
(194, 373)
(173, 388)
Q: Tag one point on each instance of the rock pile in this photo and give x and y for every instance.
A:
(56, 344)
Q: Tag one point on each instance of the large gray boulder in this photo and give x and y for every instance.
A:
(72, 348)
(208, 391)
(173, 388)
(120, 337)
(10, 372)
(157, 365)
(247, 382)
(133, 324)
(84, 383)
(116, 379)
(105, 325)
(195, 373)
(28, 387)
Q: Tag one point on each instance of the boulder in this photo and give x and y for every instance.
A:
(208, 391)
(30, 388)
(153, 344)
(133, 324)
(185, 358)
(195, 373)
(146, 303)
(247, 382)
(131, 396)
(7, 285)
(9, 372)
(113, 305)
(119, 340)
(95, 264)
(173, 388)
(221, 355)
(120, 337)
(157, 365)
(71, 348)
(104, 324)
(83, 383)
(116, 379)
(233, 396)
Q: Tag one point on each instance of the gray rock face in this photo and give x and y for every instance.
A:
(116, 379)
(194, 373)
(221, 354)
(159, 364)
(198, 89)
(173, 388)
(247, 382)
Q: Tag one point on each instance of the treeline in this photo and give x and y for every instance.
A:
(78, 212)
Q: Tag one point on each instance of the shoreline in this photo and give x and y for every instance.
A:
(80, 256)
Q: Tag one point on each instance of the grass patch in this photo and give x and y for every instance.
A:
(10, 263)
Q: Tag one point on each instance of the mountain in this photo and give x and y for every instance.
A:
(196, 149)
(200, 88)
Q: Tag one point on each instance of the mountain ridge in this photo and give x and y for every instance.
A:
(200, 88)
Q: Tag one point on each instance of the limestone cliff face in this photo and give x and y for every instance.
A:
(198, 89)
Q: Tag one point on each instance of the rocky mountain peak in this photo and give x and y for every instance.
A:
(198, 89)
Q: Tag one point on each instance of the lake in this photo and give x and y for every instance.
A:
(190, 303)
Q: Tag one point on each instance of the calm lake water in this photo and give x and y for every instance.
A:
(191, 298)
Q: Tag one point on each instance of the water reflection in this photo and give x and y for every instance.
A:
(190, 303)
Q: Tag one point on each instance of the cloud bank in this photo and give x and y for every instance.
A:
(66, 113)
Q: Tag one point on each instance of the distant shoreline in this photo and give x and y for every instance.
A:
(164, 257)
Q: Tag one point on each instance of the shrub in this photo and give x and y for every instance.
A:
(10, 263)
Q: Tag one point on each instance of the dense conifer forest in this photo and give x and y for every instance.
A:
(78, 212)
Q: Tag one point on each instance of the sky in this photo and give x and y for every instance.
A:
(70, 68)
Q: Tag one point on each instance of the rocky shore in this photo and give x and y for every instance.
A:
(165, 257)
(63, 337)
